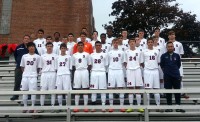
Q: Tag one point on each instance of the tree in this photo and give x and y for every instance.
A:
(148, 14)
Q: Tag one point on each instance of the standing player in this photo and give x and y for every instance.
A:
(105, 46)
(151, 74)
(161, 41)
(125, 40)
(109, 32)
(70, 43)
(30, 67)
(48, 70)
(94, 38)
(44, 49)
(99, 61)
(143, 41)
(81, 63)
(40, 41)
(84, 30)
(115, 73)
(63, 66)
(133, 60)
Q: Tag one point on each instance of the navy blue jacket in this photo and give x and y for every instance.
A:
(170, 66)
(19, 52)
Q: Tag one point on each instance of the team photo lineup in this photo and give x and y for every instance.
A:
(99, 64)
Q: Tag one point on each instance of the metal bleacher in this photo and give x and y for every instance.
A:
(11, 110)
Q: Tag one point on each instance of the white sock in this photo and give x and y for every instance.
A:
(66, 98)
(33, 98)
(53, 99)
(24, 98)
(85, 97)
(148, 99)
(103, 98)
(42, 97)
(181, 85)
(138, 98)
(121, 96)
(94, 97)
(157, 98)
(130, 98)
(111, 98)
(162, 85)
(60, 100)
(77, 97)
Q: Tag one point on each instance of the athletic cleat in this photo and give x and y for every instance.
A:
(86, 110)
(24, 111)
(75, 110)
(141, 110)
(129, 110)
(122, 110)
(110, 110)
(32, 111)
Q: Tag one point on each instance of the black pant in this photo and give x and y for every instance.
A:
(18, 79)
(169, 83)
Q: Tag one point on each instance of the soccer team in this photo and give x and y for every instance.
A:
(108, 63)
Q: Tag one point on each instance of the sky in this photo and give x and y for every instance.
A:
(102, 9)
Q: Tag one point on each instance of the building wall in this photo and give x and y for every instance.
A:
(62, 16)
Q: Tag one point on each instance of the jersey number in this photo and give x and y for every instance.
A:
(152, 58)
(48, 62)
(62, 63)
(115, 59)
(39, 45)
(30, 63)
(132, 58)
(79, 60)
(97, 61)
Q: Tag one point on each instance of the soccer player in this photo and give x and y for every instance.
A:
(94, 36)
(40, 41)
(138, 45)
(30, 67)
(63, 66)
(57, 42)
(115, 73)
(81, 64)
(64, 41)
(133, 60)
(48, 70)
(109, 32)
(151, 74)
(105, 46)
(143, 41)
(44, 49)
(87, 46)
(125, 40)
(99, 62)
(121, 46)
(161, 41)
(70, 43)
(84, 30)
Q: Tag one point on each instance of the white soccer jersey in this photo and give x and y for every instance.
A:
(93, 44)
(106, 48)
(160, 49)
(79, 39)
(63, 64)
(44, 50)
(39, 43)
(81, 60)
(70, 46)
(67, 52)
(48, 62)
(116, 59)
(99, 61)
(178, 48)
(30, 63)
(56, 45)
(161, 42)
(125, 43)
(140, 48)
(151, 58)
(109, 40)
(133, 58)
(121, 47)
(143, 43)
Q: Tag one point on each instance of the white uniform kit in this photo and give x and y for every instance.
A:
(161, 51)
(30, 63)
(109, 40)
(39, 43)
(48, 76)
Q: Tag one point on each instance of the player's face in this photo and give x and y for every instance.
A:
(141, 34)
(103, 38)
(84, 30)
(56, 36)
(124, 34)
(170, 47)
(26, 39)
(137, 40)
(150, 43)
(70, 37)
(171, 36)
(120, 40)
(98, 47)
(132, 43)
(80, 47)
(40, 34)
(49, 40)
(63, 49)
(155, 40)
(95, 35)
(109, 32)
(115, 44)
(49, 48)
(83, 37)
(31, 49)
(64, 40)
(157, 33)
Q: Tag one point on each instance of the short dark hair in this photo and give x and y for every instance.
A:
(41, 30)
(140, 30)
(114, 40)
(120, 35)
(83, 33)
(149, 39)
(26, 36)
(109, 27)
(70, 34)
(169, 43)
(49, 37)
(94, 32)
(56, 33)
(156, 28)
(63, 45)
(103, 34)
(131, 39)
(49, 43)
(97, 42)
(124, 30)
(30, 44)
(171, 32)
(84, 28)
(80, 43)
(154, 37)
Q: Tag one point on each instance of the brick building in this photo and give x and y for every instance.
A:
(19, 17)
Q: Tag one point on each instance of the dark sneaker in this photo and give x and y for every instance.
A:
(14, 98)
(180, 110)
(168, 110)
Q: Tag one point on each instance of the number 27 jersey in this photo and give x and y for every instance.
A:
(63, 65)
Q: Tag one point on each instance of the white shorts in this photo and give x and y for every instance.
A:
(115, 78)
(81, 79)
(151, 78)
(48, 81)
(98, 80)
(161, 75)
(181, 70)
(63, 82)
(134, 77)
(29, 84)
